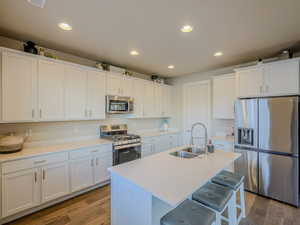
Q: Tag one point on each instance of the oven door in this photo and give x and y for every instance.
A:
(117, 104)
(126, 154)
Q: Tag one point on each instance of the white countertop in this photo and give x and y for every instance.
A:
(172, 179)
(36, 151)
(153, 133)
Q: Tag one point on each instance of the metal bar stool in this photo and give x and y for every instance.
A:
(218, 198)
(236, 183)
(189, 213)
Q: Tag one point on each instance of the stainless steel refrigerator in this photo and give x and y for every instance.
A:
(267, 136)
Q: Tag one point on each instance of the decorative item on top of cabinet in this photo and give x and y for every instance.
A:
(224, 95)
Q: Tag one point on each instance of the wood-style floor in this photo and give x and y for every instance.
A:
(93, 208)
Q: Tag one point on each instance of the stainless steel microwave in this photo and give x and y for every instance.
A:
(118, 104)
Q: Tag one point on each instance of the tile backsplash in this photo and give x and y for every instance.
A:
(54, 131)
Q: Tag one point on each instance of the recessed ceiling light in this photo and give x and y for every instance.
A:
(186, 29)
(65, 26)
(133, 52)
(171, 66)
(218, 54)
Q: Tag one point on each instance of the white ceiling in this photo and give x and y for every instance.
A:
(107, 30)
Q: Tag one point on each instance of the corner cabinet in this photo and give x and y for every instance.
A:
(270, 79)
(224, 95)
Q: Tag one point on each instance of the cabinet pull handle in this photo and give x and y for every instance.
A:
(41, 161)
(97, 161)
(44, 174)
(41, 113)
(35, 177)
(95, 151)
(32, 113)
(261, 89)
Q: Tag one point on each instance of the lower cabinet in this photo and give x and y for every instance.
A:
(81, 173)
(26, 189)
(91, 169)
(27, 183)
(55, 181)
(152, 145)
(20, 191)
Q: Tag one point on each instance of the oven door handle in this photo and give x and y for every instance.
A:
(127, 146)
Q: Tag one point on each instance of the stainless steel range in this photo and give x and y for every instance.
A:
(126, 147)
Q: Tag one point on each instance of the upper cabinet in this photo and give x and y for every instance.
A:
(119, 85)
(76, 93)
(51, 84)
(270, 79)
(250, 82)
(19, 76)
(224, 96)
(96, 90)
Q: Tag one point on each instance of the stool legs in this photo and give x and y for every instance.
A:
(242, 199)
(232, 212)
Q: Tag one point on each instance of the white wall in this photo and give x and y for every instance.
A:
(223, 126)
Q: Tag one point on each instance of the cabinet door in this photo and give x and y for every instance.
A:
(96, 95)
(173, 141)
(166, 101)
(51, 78)
(147, 149)
(158, 100)
(282, 78)
(19, 77)
(55, 181)
(250, 82)
(149, 99)
(20, 191)
(101, 164)
(81, 172)
(127, 86)
(224, 95)
(114, 83)
(138, 95)
(76, 93)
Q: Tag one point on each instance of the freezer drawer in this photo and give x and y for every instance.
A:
(246, 165)
(279, 177)
(278, 125)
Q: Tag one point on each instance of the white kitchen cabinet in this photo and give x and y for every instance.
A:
(19, 77)
(166, 101)
(224, 95)
(149, 102)
(281, 78)
(114, 83)
(81, 173)
(138, 90)
(118, 84)
(101, 164)
(250, 82)
(76, 93)
(270, 79)
(96, 89)
(55, 181)
(147, 149)
(173, 141)
(158, 100)
(51, 85)
(20, 191)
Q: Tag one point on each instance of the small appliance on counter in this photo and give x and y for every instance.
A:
(11, 144)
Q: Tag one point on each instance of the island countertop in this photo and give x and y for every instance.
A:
(172, 179)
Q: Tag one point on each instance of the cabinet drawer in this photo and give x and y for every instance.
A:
(33, 162)
(86, 152)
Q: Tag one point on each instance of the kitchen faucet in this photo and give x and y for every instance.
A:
(205, 134)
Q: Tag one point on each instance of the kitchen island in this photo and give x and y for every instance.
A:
(144, 190)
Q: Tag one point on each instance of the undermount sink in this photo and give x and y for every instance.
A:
(188, 153)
